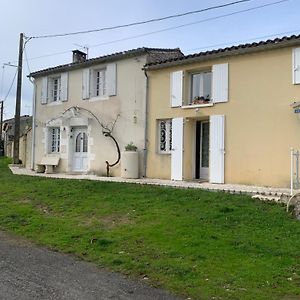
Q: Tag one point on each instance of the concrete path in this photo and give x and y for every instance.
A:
(30, 272)
(232, 188)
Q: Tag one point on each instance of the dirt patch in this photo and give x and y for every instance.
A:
(113, 221)
(25, 200)
(107, 222)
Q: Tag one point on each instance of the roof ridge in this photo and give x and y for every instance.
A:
(274, 41)
(119, 54)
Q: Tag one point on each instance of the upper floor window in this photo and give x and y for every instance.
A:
(54, 88)
(200, 87)
(165, 136)
(54, 140)
(99, 83)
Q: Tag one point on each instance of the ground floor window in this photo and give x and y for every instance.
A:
(165, 136)
(54, 139)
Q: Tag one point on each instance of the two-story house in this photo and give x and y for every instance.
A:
(226, 115)
(86, 111)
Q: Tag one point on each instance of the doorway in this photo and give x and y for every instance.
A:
(202, 150)
(80, 150)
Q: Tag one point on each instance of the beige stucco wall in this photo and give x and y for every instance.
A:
(129, 104)
(25, 143)
(260, 125)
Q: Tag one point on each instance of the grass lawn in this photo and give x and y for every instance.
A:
(200, 244)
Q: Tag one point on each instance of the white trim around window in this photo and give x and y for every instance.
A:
(54, 140)
(164, 136)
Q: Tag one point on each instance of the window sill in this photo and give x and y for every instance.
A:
(53, 103)
(103, 98)
(197, 105)
(163, 153)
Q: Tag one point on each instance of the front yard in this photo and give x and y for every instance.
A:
(198, 244)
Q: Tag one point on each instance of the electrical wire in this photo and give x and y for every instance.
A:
(12, 83)
(169, 29)
(189, 24)
(26, 59)
(2, 80)
(142, 22)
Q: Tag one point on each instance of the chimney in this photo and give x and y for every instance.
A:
(78, 56)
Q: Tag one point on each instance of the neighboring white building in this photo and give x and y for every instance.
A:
(84, 109)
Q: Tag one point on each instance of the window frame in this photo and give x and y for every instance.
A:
(98, 89)
(54, 139)
(191, 97)
(52, 89)
(168, 136)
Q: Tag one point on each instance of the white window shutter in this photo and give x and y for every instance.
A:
(176, 80)
(220, 83)
(85, 84)
(217, 151)
(64, 86)
(44, 91)
(296, 65)
(177, 149)
(111, 79)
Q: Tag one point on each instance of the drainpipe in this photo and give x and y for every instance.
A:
(146, 124)
(33, 123)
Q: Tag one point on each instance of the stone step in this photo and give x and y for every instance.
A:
(273, 198)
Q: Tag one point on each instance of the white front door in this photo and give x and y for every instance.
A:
(177, 149)
(204, 150)
(80, 150)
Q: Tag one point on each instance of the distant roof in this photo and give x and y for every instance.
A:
(154, 54)
(24, 117)
(228, 51)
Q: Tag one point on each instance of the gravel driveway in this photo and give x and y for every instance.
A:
(31, 272)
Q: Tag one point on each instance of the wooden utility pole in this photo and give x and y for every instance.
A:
(18, 102)
(1, 130)
(1, 117)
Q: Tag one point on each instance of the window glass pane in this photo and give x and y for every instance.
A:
(85, 142)
(207, 85)
(170, 135)
(196, 85)
(55, 85)
(78, 143)
(58, 139)
(205, 145)
(55, 139)
(100, 82)
(163, 138)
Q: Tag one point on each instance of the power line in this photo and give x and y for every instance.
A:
(12, 83)
(142, 22)
(192, 23)
(2, 80)
(169, 28)
(26, 59)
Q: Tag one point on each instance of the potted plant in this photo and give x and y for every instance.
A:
(130, 162)
(200, 100)
(130, 147)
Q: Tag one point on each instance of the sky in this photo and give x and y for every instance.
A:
(218, 28)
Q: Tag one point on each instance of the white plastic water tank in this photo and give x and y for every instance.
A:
(130, 164)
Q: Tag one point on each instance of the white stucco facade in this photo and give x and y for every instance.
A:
(125, 112)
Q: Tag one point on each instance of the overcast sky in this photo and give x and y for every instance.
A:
(40, 17)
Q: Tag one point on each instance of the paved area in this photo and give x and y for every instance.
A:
(231, 188)
(30, 272)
